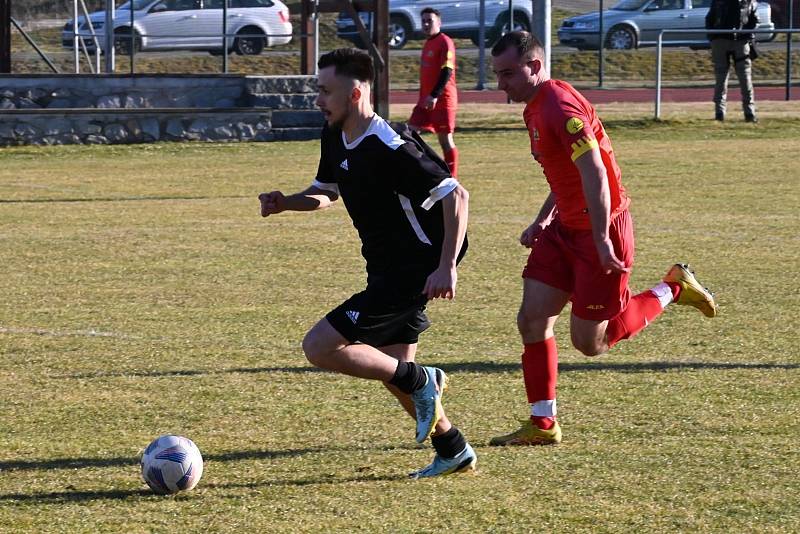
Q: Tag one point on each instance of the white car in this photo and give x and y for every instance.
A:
(189, 25)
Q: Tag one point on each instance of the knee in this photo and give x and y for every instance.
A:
(589, 347)
(314, 349)
(529, 323)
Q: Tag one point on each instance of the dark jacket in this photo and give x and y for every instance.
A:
(732, 15)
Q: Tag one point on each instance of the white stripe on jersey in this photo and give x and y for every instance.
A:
(439, 192)
(379, 128)
(333, 188)
(412, 218)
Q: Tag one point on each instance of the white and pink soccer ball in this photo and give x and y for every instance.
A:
(171, 464)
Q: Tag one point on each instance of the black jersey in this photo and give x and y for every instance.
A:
(391, 183)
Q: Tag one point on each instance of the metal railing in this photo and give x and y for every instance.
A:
(76, 39)
(134, 39)
(660, 43)
(111, 41)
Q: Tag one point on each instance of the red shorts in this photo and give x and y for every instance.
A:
(567, 259)
(440, 119)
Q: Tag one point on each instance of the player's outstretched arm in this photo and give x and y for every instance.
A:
(441, 283)
(598, 200)
(311, 199)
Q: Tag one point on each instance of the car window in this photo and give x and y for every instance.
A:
(630, 5)
(666, 4)
(213, 4)
(182, 5)
(700, 3)
(251, 3)
(137, 4)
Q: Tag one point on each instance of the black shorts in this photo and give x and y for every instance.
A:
(389, 311)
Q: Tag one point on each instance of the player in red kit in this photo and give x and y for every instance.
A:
(436, 109)
(581, 240)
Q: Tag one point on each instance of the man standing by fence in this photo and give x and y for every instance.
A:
(735, 47)
(438, 100)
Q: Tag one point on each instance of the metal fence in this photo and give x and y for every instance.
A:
(641, 67)
(659, 55)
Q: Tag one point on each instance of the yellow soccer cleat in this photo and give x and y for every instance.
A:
(692, 293)
(529, 434)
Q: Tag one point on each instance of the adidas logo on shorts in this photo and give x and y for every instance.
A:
(352, 315)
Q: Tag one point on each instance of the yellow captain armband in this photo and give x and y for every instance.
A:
(582, 146)
(448, 62)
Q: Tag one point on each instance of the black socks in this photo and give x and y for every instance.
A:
(449, 444)
(408, 377)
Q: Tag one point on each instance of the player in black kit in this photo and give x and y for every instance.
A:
(411, 216)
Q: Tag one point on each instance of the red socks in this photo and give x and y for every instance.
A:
(451, 158)
(540, 360)
(540, 372)
(640, 312)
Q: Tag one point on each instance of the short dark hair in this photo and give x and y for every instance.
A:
(431, 10)
(350, 62)
(523, 42)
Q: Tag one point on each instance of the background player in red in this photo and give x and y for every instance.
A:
(581, 240)
(438, 100)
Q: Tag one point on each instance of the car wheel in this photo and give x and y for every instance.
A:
(122, 41)
(399, 32)
(621, 38)
(250, 41)
(521, 23)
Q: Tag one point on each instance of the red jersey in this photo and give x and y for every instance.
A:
(563, 126)
(439, 52)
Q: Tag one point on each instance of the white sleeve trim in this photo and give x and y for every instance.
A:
(333, 188)
(412, 219)
(439, 192)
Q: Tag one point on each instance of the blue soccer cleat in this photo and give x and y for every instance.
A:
(428, 402)
(464, 462)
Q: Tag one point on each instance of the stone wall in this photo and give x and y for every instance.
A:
(62, 127)
(110, 109)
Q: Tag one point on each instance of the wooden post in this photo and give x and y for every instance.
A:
(381, 36)
(307, 37)
(377, 43)
(5, 36)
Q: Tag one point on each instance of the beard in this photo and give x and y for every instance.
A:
(338, 122)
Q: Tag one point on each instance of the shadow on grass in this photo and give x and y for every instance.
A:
(465, 367)
(628, 367)
(231, 456)
(196, 372)
(82, 496)
(114, 199)
(74, 496)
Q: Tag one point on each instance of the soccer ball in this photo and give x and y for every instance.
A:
(171, 464)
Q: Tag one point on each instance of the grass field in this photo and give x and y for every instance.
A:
(142, 294)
